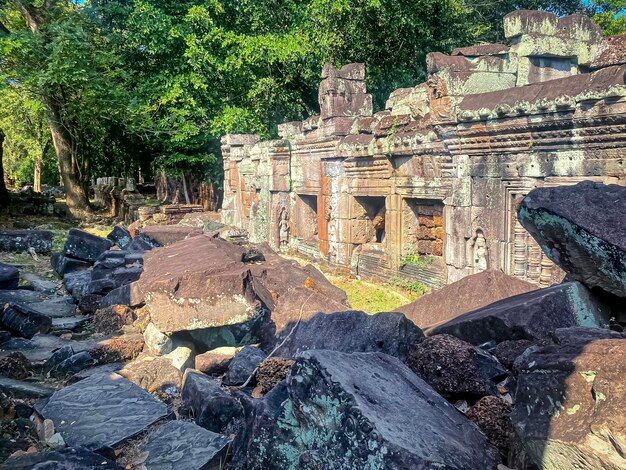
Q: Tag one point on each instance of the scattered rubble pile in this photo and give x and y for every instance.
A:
(177, 348)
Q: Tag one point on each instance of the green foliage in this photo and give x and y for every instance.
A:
(610, 15)
(414, 259)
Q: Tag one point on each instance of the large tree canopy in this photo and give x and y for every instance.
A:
(154, 83)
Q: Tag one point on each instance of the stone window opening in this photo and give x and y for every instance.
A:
(372, 210)
(423, 228)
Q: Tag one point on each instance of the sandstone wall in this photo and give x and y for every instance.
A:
(427, 188)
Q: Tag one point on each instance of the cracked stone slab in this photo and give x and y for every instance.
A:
(101, 411)
(22, 389)
(64, 459)
(184, 445)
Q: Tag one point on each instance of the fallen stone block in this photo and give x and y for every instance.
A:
(195, 284)
(184, 445)
(68, 323)
(213, 408)
(38, 284)
(165, 235)
(357, 409)
(85, 246)
(63, 265)
(20, 389)
(157, 342)
(352, 331)
(70, 458)
(583, 230)
(77, 283)
(101, 411)
(23, 321)
(243, 364)
(216, 361)
(112, 319)
(24, 240)
(9, 277)
(569, 405)
(577, 334)
(141, 243)
(119, 296)
(120, 236)
(528, 316)
(455, 368)
(153, 373)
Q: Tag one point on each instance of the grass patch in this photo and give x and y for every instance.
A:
(371, 297)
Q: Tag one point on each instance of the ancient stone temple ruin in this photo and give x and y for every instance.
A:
(427, 188)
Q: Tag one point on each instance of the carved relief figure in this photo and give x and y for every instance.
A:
(477, 252)
(283, 228)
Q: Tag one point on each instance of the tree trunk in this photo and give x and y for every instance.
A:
(76, 197)
(37, 176)
(4, 194)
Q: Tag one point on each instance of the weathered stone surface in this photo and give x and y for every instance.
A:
(48, 305)
(118, 348)
(157, 342)
(85, 246)
(493, 417)
(22, 240)
(39, 284)
(528, 316)
(89, 303)
(213, 408)
(73, 364)
(97, 370)
(24, 321)
(165, 235)
(102, 411)
(356, 410)
(455, 368)
(470, 293)
(112, 319)
(582, 229)
(63, 265)
(68, 323)
(569, 402)
(119, 296)
(21, 389)
(71, 458)
(215, 362)
(120, 236)
(352, 331)
(243, 364)
(153, 373)
(9, 277)
(57, 358)
(141, 243)
(184, 445)
(272, 371)
(195, 283)
(77, 283)
(576, 334)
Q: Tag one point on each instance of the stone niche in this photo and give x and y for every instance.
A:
(426, 189)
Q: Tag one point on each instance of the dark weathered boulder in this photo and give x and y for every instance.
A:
(455, 368)
(470, 293)
(24, 321)
(9, 277)
(184, 445)
(71, 458)
(120, 236)
(57, 358)
(272, 371)
(508, 351)
(213, 408)
(63, 265)
(243, 364)
(85, 246)
(358, 410)
(569, 405)
(352, 331)
(73, 364)
(194, 284)
(582, 229)
(14, 365)
(528, 316)
(493, 417)
(23, 240)
(101, 411)
(141, 243)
